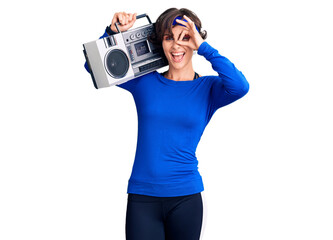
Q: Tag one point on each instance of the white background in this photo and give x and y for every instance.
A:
(67, 149)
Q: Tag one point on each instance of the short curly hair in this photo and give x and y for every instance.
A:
(163, 24)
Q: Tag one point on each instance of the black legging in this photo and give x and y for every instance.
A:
(164, 218)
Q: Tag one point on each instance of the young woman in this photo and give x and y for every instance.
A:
(164, 190)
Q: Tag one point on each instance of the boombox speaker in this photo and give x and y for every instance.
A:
(123, 56)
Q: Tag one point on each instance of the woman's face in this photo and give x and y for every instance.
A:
(178, 56)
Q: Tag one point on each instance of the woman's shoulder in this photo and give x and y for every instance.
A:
(134, 83)
(146, 79)
(209, 79)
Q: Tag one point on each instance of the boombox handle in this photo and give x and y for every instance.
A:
(137, 17)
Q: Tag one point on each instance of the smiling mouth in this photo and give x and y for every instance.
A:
(178, 57)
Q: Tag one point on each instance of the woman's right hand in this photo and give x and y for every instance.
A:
(126, 21)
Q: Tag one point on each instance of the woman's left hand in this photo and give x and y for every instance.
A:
(190, 29)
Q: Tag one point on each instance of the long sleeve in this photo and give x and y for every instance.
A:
(231, 84)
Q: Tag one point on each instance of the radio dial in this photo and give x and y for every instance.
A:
(132, 36)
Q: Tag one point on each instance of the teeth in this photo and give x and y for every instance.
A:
(177, 54)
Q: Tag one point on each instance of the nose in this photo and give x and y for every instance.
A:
(175, 45)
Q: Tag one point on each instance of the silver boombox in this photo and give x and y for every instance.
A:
(123, 56)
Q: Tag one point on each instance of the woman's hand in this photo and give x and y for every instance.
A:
(194, 41)
(126, 21)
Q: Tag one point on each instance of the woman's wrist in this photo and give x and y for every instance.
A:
(109, 30)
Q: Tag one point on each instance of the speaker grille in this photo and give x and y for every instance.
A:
(117, 63)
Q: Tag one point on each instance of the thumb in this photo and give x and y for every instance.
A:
(184, 43)
(131, 23)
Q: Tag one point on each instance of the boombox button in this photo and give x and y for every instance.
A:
(138, 34)
(132, 37)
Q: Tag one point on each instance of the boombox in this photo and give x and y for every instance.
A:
(123, 56)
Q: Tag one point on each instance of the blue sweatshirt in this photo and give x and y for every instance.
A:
(172, 116)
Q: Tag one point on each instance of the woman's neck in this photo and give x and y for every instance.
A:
(184, 74)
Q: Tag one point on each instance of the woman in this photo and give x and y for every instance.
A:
(164, 190)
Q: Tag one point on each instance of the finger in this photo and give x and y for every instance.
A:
(133, 18)
(183, 43)
(191, 23)
(130, 17)
(182, 35)
(180, 40)
(131, 23)
(183, 23)
(187, 19)
(120, 18)
(124, 18)
(115, 18)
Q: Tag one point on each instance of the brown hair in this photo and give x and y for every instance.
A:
(164, 22)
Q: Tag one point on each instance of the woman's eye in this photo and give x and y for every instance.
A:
(168, 38)
(186, 38)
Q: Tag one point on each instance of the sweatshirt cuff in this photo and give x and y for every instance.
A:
(203, 48)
